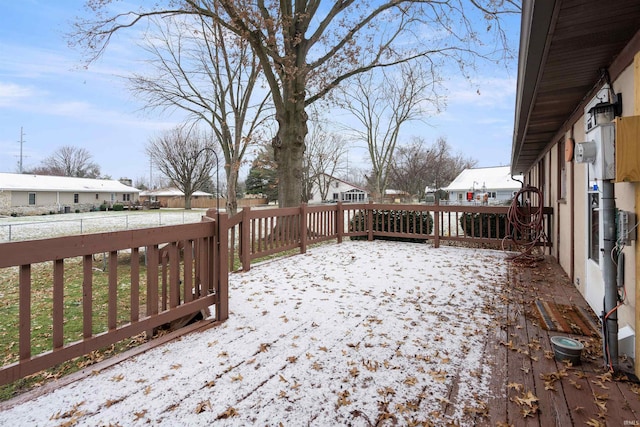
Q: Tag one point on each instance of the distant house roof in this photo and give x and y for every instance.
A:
(493, 178)
(333, 178)
(28, 182)
(172, 192)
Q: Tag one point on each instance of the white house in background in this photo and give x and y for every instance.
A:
(25, 194)
(339, 191)
(490, 185)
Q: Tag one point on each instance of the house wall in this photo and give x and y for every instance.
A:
(17, 202)
(502, 195)
(570, 234)
(334, 187)
(5, 202)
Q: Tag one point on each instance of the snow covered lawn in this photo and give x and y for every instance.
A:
(347, 334)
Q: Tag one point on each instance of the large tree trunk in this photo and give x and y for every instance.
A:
(289, 148)
(232, 199)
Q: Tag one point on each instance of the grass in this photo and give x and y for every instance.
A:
(42, 309)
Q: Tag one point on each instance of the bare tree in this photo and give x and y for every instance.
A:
(211, 73)
(417, 166)
(307, 48)
(323, 159)
(68, 161)
(382, 106)
(185, 156)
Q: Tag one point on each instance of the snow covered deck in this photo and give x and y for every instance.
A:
(358, 333)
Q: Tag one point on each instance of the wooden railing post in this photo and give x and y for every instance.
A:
(303, 228)
(222, 267)
(245, 238)
(339, 221)
(370, 221)
(436, 224)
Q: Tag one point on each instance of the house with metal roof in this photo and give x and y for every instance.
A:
(491, 185)
(26, 194)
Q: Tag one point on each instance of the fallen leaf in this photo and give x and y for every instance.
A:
(230, 412)
(117, 378)
(140, 414)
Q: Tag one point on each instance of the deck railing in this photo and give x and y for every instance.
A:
(154, 276)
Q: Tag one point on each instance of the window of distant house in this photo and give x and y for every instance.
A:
(459, 196)
(594, 227)
(491, 194)
(97, 196)
(126, 197)
(113, 197)
(76, 198)
(335, 196)
(32, 198)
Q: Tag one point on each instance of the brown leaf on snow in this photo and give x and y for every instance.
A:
(292, 359)
(147, 390)
(72, 413)
(117, 378)
(140, 414)
(230, 412)
(176, 366)
(439, 375)
(410, 381)
(343, 399)
(264, 347)
(238, 377)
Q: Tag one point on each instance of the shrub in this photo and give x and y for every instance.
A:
(103, 207)
(489, 223)
(118, 207)
(394, 220)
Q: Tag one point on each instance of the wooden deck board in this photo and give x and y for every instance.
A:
(572, 401)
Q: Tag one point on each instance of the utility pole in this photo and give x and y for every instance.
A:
(22, 141)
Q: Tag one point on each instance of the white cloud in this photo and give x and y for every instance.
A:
(11, 93)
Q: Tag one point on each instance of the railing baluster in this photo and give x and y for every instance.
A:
(112, 315)
(174, 274)
(87, 296)
(188, 270)
(58, 303)
(25, 312)
(135, 284)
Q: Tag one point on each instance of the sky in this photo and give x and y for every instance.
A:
(48, 99)
(331, 337)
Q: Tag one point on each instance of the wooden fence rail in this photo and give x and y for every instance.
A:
(163, 274)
